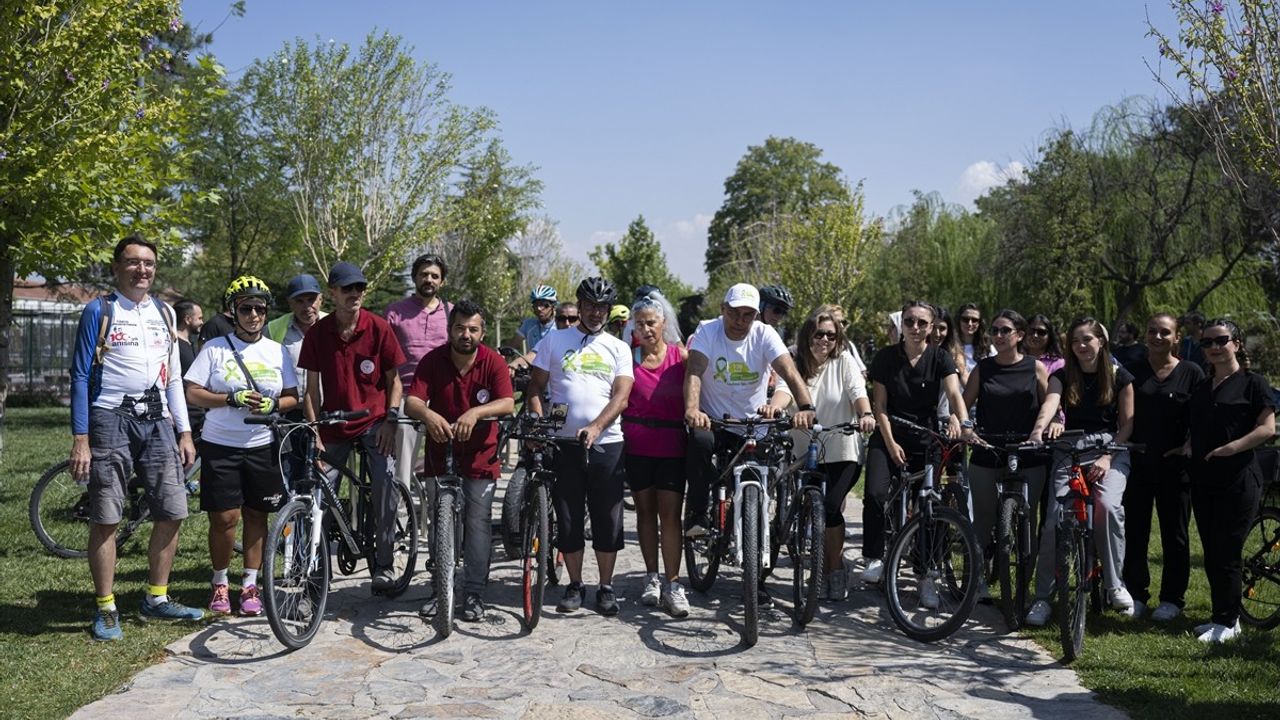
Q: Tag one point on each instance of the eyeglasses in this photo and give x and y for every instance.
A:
(970, 319)
(251, 310)
(136, 263)
(1003, 330)
(1039, 332)
(829, 335)
(916, 323)
(1221, 341)
(354, 288)
(571, 319)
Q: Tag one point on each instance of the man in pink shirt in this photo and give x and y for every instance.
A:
(421, 324)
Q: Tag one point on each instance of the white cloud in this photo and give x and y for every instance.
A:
(984, 175)
(600, 237)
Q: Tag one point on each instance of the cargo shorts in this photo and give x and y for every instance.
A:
(123, 446)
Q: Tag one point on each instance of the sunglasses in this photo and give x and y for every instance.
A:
(1003, 330)
(973, 320)
(915, 323)
(1039, 332)
(778, 310)
(825, 335)
(252, 310)
(567, 318)
(1220, 341)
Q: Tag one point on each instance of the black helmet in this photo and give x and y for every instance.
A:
(597, 289)
(645, 290)
(776, 295)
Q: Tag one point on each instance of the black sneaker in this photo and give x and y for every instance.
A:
(472, 608)
(606, 602)
(574, 594)
(383, 581)
(763, 598)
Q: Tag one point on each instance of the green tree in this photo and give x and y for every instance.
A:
(89, 140)
(784, 176)
(637, 259)
(367, 141)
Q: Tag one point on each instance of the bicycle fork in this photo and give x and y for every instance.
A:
(738, 486)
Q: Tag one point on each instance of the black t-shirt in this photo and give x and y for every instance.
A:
(912, 390)
(1127, 355)
(1008, 402)
(216, 326)
(1227, 413)
(1160, 407)
(186, 355)
(1088, 415)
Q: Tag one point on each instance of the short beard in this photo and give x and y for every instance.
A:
(471, 351)
(430, 294)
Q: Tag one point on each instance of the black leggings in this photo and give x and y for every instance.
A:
(880, 471)
(841, 477)
(598, 487)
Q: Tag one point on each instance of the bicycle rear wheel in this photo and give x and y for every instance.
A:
(59, 512)
(750, 561)
(931, 574)
(513, 513)
(808, 556)
(443, 561)
(1260, 596)
(295, 574)
(535, 553)
(1071, 561)
(404, 549)
(702, 555)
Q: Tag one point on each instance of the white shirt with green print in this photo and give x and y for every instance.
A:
(736, 380)
(216, 370)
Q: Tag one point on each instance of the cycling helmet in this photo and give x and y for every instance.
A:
(541, 293)
(776, 295)
(619, 312)
(597, 289)
(245, 286)
(645, 290)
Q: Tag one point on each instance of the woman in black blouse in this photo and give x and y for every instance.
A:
(1162, 386)
(907, 379)
(1097, 398)
(1232, 412)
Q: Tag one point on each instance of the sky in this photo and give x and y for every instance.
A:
(646, 107)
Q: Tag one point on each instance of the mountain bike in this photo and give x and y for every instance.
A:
(933, 562)
(1260, 586)
(1015, 526)
(739, 532)
(446, 541)
(1077, 568)
(296, 566)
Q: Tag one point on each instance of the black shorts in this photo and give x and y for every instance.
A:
(234, 477)
(663, 473)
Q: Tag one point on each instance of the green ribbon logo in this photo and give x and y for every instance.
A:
(722, 365)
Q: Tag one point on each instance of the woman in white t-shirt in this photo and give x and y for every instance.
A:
(235, 376)
(839, 395)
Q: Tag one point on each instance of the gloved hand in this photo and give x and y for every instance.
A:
(266, 405)
(242, 398)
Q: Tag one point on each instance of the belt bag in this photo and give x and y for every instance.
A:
(147, 407)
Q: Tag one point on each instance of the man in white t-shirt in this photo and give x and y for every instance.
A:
(589, 371)
(728, 375)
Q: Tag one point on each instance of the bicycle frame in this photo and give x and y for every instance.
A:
(739, 485)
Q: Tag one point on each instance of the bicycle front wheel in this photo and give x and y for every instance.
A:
(750, 562)
(1071, 575)
(931, 574)
(535, 552)
(808, 555)
(295, 574)
(443, 559)
(1009, 561)
(1260, 596)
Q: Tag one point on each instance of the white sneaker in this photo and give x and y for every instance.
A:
(1120, 599)
(929, 599)
(652, 590)
(873, 572)
(1220, 633)
(1165, 612)
(837, 584)
(674, 601)
(1038, 615)
(1203, 628)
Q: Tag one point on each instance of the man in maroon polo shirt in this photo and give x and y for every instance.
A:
(465, 383)
(352, 357)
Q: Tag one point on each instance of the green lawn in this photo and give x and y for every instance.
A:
(49, 665)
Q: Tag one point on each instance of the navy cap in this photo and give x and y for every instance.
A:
(301, 285)
(343, 274)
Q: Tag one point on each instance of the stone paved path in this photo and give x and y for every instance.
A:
(376, 659)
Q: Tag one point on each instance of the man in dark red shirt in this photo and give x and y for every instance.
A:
(465, 383)
(352, 356)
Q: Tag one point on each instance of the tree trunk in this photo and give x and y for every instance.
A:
(7, 243)
(1217, 281)
(1126, 299)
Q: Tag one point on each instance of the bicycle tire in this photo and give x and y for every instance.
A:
(943, 550)
(513, 513)
(808, 556)
(750, 562)
(296, 594)
(1071, 575)
(404, 552)
(779, 509)
(536, 555)
(1260, 586)
(59, 512)
(1009, 567)
(702, 555)
(443, 561)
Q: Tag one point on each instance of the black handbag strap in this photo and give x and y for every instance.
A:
(240, 361)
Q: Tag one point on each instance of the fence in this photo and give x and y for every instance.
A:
(41, 342)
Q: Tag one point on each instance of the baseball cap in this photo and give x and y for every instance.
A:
(343, 274)
(742, 295)
(301, 285)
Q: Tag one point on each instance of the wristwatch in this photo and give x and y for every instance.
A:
(807, 407)
(966, 424)
(393, 413)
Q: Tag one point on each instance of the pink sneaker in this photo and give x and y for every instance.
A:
(250, 603)
(220, 603)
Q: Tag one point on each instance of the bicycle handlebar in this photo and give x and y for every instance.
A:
(329, 418)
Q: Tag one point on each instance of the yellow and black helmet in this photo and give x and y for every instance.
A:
(243, 287)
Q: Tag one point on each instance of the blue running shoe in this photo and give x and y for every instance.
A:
(170, 610)
(106, 625)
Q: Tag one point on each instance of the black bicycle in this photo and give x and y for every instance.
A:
(1260, 587)
(933, 563)
(296, 567)
(1014, 556)
(446, 542)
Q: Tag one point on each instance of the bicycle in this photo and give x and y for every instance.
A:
(1260, 586)
(446, 542)
(933, 563)
(1015, 526)
(739, 533)
(59, 510)
(1077, 568)
(296, 565)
